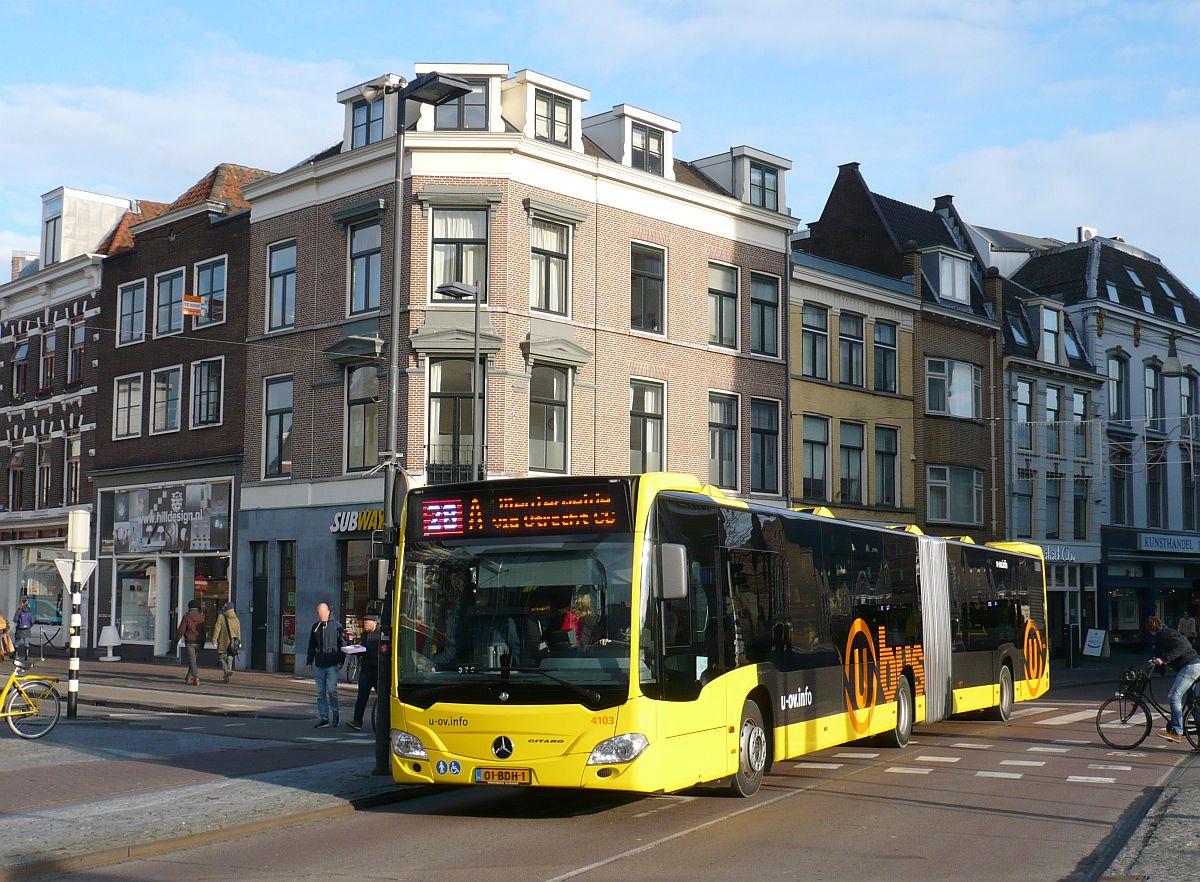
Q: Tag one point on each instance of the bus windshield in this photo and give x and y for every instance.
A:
(541, 615)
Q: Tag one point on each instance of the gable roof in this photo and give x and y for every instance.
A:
(908, 223)
(120, 237)
(223, 184)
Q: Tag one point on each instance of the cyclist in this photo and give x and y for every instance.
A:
(1172, 648)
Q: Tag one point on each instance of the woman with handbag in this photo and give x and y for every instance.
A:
(227, 634)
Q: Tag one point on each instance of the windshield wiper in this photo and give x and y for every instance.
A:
(590, 694)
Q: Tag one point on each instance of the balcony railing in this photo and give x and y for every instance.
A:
(451, 463)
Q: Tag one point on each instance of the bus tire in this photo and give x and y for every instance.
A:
(752, 751)
(899, 736)
(1003, 711)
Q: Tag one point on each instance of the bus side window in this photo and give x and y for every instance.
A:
(689, 626)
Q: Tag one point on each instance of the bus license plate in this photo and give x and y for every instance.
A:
(503, 776)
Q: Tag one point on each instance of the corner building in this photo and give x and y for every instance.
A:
(627, 301)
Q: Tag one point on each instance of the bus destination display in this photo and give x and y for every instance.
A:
(530, 513)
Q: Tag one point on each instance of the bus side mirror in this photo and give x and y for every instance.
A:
(377, 575)
(673, 571)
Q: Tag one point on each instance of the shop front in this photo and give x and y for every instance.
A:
(1070, 594)
(27, 570)
(1147, 573)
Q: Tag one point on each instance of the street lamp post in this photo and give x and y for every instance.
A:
(429, 88)
(462, 291)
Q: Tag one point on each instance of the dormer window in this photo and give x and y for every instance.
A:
(466, 113)
(52, 231)
(1134, 278)
(552, 118)
(647, 149)
(367, 124)
(764, 187)
(1051, 329)
(1112, 292)
(955, 279)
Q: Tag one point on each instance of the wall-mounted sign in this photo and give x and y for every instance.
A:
(362, 520)
(177, 517)
(1059, 554)
(1172, 542)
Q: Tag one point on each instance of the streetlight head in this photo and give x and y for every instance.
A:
(1172, 366)
(435, 88)
(457, 291)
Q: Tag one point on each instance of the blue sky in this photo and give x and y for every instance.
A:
(1037, 116)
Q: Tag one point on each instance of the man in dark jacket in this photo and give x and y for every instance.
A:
(325, 643)
(368, 670)
(1172, 648)
(191, 632)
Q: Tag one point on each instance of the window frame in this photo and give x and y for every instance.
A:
(52, 238)
(637, 274)
(1051, 341)
(564, 405)
(75, 364)
(1152, 403)
(19, 388)
(48, 356)
(200, 267)
(1077, 506)
(1120, 473)
(539, 286)
(1023, 435)
(1117, 387)
(946, 375)
(434, 241)
(16, 485)
(948, 483)
(646, 417)
(1080, 443)
(1054, 435)
(353, 261)
(43, 474)
(348, 417)
(116, 406)
(273, 248)
(459, 105)
(181, 272)
(648, 155)
(554, 102)
(951, 292)
(886, 349)
(853, 350)
(1023, 504)
(1158, 503)
(759, 308)
(268, 413)
(1053, 518)
(72, 468)
(721, 296)
(808, 336)
(122, 289)
(844, 451)
(194, 391)
(764, 436)
(368, 122)
(894, 470)
(764, 172)
(735, 428)
(806, 446)
(154, 400)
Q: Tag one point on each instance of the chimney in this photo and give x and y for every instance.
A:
(942, 202)
(1082, 234)
(993, 288)
(848, 166)
(20, 260)
(912, 263)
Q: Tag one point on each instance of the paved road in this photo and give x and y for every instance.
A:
(1031, 800)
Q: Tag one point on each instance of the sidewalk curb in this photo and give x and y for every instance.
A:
(102, 857)
(134, 704)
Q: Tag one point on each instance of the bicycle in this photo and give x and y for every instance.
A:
(29, 703)
(1133, 721)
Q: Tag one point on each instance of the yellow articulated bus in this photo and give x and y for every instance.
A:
(649, 634)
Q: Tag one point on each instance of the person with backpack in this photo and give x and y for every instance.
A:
(227, 634)
(22, 629)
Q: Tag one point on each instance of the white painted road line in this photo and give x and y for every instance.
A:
(1088, 779)
(1013, 775)
(1048, 749)
(938, 759)
(817, 766)
(907, 770)
(1027, 711)
(970, 745)
(856, 755)
(1032, 763)
(1128, 753)
(1110, 767)
(1071, 740)
(1067, 719)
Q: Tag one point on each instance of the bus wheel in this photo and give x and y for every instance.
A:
(752, 751)
(1003, 711)
(899, 736)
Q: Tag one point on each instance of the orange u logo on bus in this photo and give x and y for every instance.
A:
(1035, 652)
(860, 669)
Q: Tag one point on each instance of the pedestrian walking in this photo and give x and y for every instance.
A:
(191, 632)
(227, 635)
(6, 644)
(1171, 648)
(22, 628)
(325, 643)
(1187, 627)
(368, 671)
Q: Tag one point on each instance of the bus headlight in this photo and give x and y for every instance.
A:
(407, 746)
(619, 749)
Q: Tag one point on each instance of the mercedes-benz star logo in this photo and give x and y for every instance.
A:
(502, 747)
(504, 696)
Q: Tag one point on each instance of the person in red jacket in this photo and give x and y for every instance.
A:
(191, 632)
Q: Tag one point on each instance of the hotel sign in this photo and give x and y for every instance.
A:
(1172, 542)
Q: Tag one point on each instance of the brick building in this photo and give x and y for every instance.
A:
(628, 301)
(169, 412)
(48, 332)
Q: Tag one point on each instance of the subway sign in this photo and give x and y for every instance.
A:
(360, 521)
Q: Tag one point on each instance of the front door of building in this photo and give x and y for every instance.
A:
(287, 605)
(258, 605)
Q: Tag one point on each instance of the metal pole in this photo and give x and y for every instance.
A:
(477, 395)
(74, 635)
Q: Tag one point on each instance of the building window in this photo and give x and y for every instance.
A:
(16, 481)
(887, 450)
(548, 419)
(278, 421)
(364, 267)
(764, 446)
(45, 475)
(647, 152)
(815, 342)
(362, 418)
(131, 326)
(1187, 405)
(552, 118)
(1079, 408)
(127, 407)
(52, 235)
(953, 388)
(20, 368)
(1054, 420)
(722, 440)
(1051, 330)
(210, 286)
(165, 390)
(1189, 487)
(764, 315)
(645, 427)
(851, 443)
(850, 350)
(460, 248)
(549, 262)
(206, 392)
(281, 312)
(1079, 509)
(168, 304)
(452, 401)
(1023, 504)
(75, 352)
(1053, 507)
(1154, 421)
(468, 112)
(647, 276)
(722, 305)
(885, 357)
(764, 186)
(366, 125)
(1120, 486)
(816, 458)
(71, 484)
(1156, 486)
(955, 279)
(1024, 426)
(1118, 388)
(46, 374)
(955, 495)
